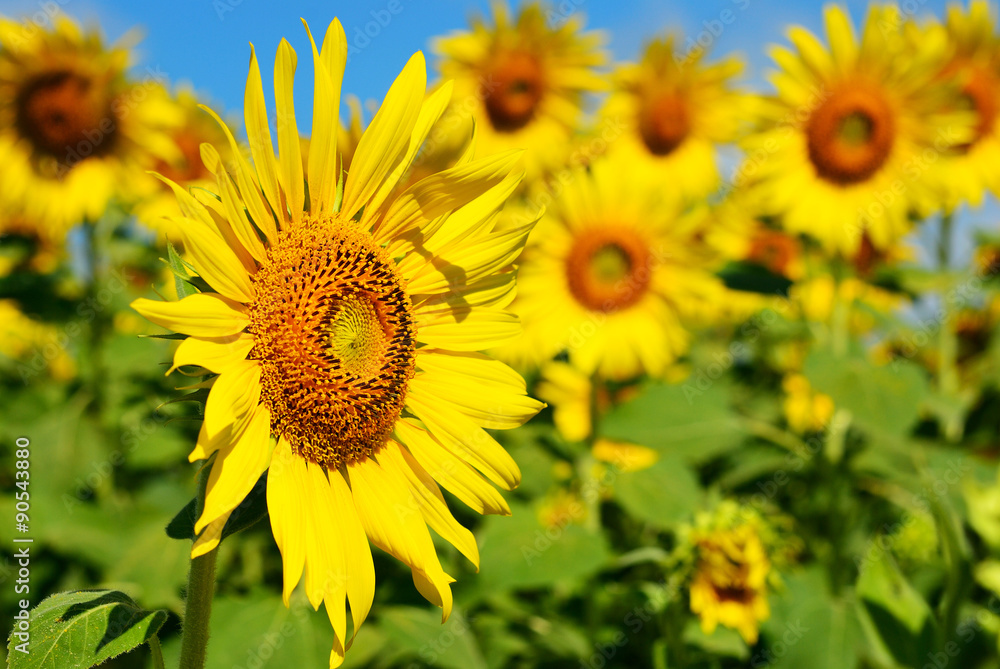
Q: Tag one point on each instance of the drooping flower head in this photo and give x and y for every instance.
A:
(849, 139)
(674, 110)
(522, 81)
(614, 270)
(75, 131)
(344, 328)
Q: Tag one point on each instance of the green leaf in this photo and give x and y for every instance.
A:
(418, 633)
(750, 277)
(248, 513)
(664, 494)
(901, 617)
(723, 641)
(182, 280)
(692, 420)
(83, 629)
(518, 552)
(882, 399)
(808, 627)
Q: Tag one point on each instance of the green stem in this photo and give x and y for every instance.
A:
(586, 464)
(947, 341)
(98, 324)
(157, 652)
(840, 319)
(198, 604)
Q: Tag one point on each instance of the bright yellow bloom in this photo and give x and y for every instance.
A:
(974, 65)
(805, 409)
(569, 393)
(848, 142)
(730, 580)
(522, 82)
(75, 132)
(673, 112)
(344, 332)
(614, 266)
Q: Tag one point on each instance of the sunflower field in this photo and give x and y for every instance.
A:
(575, 348)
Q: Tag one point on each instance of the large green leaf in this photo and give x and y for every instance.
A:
(83, 629)
(882, 399)
(692, 420)
(901, 618)
(417, 633)
(808, 627)
(664, 494)
(518, 552)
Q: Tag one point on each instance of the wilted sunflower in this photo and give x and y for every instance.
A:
(974, 66)
(851, 137)
(674, 111)
(614, 266)
(522, 82)
(75, 132)
(344, 333)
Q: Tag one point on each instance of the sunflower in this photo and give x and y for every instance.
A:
(185, 167)
(613, 267)
(730, 579)
(75, 132)
(850, 139)
(974, 66)
(673, 112)
(522, 82)
(344, 331)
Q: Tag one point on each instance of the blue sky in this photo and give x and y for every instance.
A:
(205, 43)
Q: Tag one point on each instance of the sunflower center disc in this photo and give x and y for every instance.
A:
(512, 91)
(334, 335)
(980, 94)
(608, 270)
(664, 123)
(850, 135)
(63, 112)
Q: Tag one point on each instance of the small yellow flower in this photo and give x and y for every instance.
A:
(624, 456)
(805, 409)
(730, 581)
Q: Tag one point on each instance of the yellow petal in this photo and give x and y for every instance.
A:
(234, 396)
(392, 520)
(383, 144)
(199, 315)
(216, 354)
(432, 505)
(328, 69)
(217, 263)
(286, 508)
(465, 438)
(237, 468)
(289, 148)
(259, 136)
(210, 537)
(470, 330)
(450, 471)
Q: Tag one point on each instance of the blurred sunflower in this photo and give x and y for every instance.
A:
(611, 270)
(185, 167)
(344, 335)
(975, 67)
(806, 410)
(75, 132)
(731, 571)
(674, 112)
(849, 138)
(522, 82)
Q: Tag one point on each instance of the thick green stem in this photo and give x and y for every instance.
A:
(198, 604)
(586, 464)
(948, 376)
(97, 329)
(156, 651)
